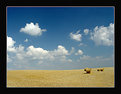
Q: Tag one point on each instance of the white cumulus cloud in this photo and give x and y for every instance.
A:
(23, 57)
(76, 36)
(60, 51)
(80, 52)
(33, 30)
(36, 53)
(103, 35)
(10, 44)
(41, 54)
(86, 31)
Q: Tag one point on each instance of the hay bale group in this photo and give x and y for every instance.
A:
(100, 69)
(88, 70)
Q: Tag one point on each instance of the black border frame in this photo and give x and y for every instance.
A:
(3, 40)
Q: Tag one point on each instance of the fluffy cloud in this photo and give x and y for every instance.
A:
(58, 54)
(80, 52)
(86, 31)
(103, 35)
(36, 53)
(10, 44)
(60, 51)
(33, 30)
(21, 57)
(33, 53)
(19, 49)
(76, 36)
(26, 40)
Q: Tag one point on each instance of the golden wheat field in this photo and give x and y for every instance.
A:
(60, 78)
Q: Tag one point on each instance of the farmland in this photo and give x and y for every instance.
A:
(61, 78)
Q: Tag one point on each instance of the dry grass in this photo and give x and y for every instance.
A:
(60, 78)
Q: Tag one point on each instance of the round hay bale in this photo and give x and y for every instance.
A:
(98, 69)
(102, 69)
(88, 70)
(84, 69)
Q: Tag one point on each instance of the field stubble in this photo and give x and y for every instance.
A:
(60, 78)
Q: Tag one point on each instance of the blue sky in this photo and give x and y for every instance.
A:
(61, 31)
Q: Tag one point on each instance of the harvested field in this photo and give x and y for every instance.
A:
(61, 78)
